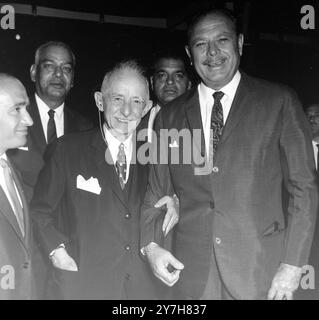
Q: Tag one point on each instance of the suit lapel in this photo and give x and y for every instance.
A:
(106, 172)
(36, 130)
(238, 109)
(69, 123)
(7, 211)
(193, 116)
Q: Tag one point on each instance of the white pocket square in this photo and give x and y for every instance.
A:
(90, 185)
(24, 148)
(174, 144)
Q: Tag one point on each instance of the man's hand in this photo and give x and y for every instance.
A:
(160, 261)
(172, 212)
(285, 282)
(61, 260)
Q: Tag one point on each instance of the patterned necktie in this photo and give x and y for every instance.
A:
(121, 165)
(51, 132)
(216, 125)
(17, 208)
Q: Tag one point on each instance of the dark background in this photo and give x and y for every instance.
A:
(276, 47)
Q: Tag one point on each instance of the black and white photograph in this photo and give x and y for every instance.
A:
(159, 151)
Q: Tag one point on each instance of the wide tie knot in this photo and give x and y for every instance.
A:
(218, 95)
(51, 113)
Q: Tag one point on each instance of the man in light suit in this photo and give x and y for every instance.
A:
(53, 74)
(15, 232)
(93, 182)
(232, 240)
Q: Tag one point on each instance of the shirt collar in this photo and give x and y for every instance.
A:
(44, 108)
(113, 143)
(229, 89)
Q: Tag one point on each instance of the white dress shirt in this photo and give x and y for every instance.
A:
(44, 116)
(113, 146)
(206, 101)
(4, 186)
(315, 152)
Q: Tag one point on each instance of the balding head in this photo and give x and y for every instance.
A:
(14, 118)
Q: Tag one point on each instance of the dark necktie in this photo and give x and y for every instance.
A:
(17, 208)
(51, 132)
(217, 123)
(121, 165)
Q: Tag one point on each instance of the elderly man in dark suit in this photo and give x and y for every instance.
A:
(15, 231)
(94, 183)
(232, 240)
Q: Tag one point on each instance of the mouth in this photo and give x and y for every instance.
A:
(57, 85)
(216, 63)
(23, 132)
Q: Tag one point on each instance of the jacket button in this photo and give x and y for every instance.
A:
(218, 241)
(215, 169)
(127, 216)
(127, 247)
(26, 265)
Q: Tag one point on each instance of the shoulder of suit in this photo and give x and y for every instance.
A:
(83, 122)
(265, 87)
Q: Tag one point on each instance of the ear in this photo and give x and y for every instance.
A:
(99, 100)
(240, 43)
(147, 108)
(189, 84)
(152, 83)
(33, 72)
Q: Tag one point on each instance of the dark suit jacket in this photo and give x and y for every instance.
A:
(100, 231)
(15, 250)
(238, 206)
(30, 162)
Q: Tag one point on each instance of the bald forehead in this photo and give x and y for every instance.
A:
(120, 75)
(8, 83)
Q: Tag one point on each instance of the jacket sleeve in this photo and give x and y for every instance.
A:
(300, 178)
(46, 202)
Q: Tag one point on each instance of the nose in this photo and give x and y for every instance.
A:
(170, 79)
(58, 71)
(126, 109)
(26, 119)
(212, 48)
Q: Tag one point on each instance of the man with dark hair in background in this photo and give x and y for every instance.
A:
(170, 78)
(53, 75)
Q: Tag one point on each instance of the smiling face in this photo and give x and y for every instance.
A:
(125, 100)
(170, 80)
(215, 50)
(14, 118)
(53, 75)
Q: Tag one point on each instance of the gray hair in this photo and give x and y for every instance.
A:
(46, 45)
(130, 65)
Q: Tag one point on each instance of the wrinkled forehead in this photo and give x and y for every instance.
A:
(56, 53)
(128, 81)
